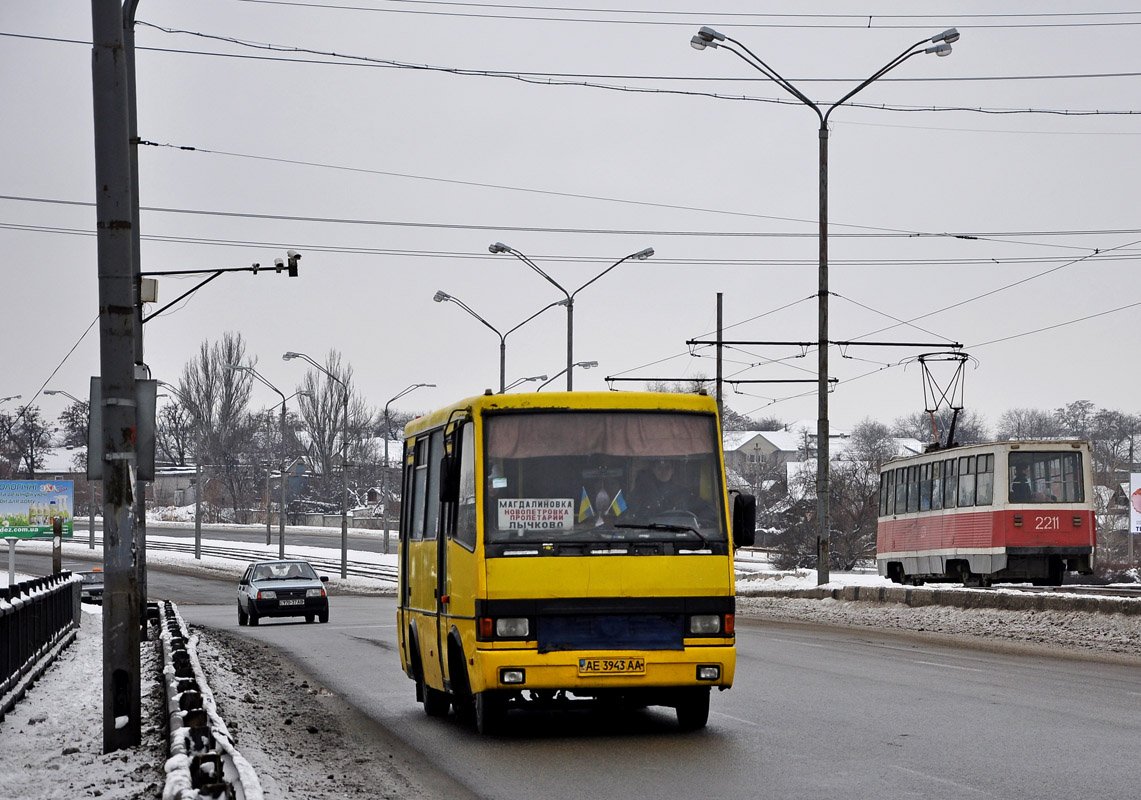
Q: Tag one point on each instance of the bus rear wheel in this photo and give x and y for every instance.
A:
(693, 709)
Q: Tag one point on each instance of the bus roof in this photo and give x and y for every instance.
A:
(569, 401)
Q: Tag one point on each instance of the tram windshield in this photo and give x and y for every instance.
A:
(1046, 477)
(602, 476)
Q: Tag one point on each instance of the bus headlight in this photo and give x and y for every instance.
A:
(512, 627)
(705, 624)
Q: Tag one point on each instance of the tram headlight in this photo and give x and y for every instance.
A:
(512, 627)
(705, 624)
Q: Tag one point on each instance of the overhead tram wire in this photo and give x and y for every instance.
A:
(876, 233)
(531, 78)
(857, 21)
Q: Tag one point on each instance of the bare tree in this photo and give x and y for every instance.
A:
(174, 433)
(1028, 423)
(322, 418)
(1076, 418)
(28, 439)
(970, 426)
(73, 422)
(216, 398)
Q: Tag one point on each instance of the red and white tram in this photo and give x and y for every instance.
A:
(1004, 511)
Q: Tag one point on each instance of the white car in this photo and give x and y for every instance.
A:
(282, 589)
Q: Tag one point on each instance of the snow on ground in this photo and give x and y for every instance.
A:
(52, 741)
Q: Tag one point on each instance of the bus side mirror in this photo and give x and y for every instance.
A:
(449, 479)
(744, 520)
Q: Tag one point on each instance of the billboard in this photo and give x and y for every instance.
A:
(1135, 502)
(27, 508)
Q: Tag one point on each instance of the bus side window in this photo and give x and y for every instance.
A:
(408, 473)
(432, 500)
(465, 512)
(419, 490)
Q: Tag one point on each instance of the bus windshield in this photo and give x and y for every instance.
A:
(601, 476)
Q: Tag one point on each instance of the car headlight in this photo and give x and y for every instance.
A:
(315, 592)
(705, 624)
(266, 594)
(512, 627)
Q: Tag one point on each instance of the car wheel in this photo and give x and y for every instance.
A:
(324, 615)
(243, 617)
(254, 618)
(309, 617)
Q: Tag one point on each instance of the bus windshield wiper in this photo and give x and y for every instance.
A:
(663, 526)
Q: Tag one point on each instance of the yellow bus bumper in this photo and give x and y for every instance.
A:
(560, 670)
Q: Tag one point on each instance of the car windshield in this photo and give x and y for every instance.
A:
(593, 477)
(284, 571)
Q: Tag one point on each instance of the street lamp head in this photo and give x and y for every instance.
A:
(290, 356)
(706, 37)
(441, 297)
(587, 364)
(237, 367)
(949, 36)
(498, 247)
(940, 50)
(642, 255)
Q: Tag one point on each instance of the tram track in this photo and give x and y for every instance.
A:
(359, 569)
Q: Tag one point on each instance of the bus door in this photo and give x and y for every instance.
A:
(434, 529)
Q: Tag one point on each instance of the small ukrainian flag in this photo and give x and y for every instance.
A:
(585, 509)
(619, 504)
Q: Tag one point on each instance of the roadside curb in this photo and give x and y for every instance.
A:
(203, 761)
(957, 598)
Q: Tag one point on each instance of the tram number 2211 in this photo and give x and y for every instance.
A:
(1047, 523)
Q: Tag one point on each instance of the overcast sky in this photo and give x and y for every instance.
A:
(392, 180)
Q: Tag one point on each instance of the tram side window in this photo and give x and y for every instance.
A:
(937, 485)
(984, 480)
(925, 487)
(901, 490)
(966, 481)
(466, 516)
(950, 484)
(913, 488)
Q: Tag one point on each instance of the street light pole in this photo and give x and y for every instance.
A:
(344, 457)
(387, 436)
(500, 247)
(281, 523)
(941, 46)
(444, 297)
(583, 364)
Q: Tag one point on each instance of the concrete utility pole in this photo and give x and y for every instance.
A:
(122, 706)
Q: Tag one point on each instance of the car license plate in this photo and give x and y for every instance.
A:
(612, 666)
(293, 602)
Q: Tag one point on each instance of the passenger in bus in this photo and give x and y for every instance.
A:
(1020, 488)
(660, 490)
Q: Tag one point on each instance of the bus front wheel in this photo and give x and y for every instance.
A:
(693, 709)
(490, 711)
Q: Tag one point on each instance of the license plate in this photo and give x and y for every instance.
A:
(612, 666)
(297, 602)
